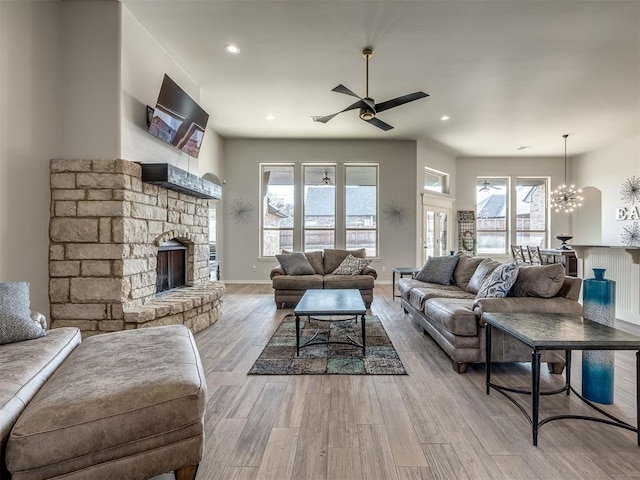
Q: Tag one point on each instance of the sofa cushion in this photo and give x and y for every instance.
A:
(333, 258)
(419, 295)
(295, 264)
(438, 270)
(500, 282)
(25, 366)
(361, 282)
(454, 314)
(465, 269)
(296, 282)
(486, 267)
(16, 323)
(351, 266)
(538, 281)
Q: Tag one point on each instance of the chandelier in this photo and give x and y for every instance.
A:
(566, 198)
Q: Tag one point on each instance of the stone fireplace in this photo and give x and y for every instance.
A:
(106, 231)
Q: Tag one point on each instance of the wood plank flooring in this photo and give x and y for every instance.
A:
(430, 424)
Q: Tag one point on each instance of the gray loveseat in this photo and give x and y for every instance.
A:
(290, 288)
(452, 315)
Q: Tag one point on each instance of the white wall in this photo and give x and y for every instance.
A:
(90, 34)
(606, 169)
(30, 129)
(144, 63)
(434, 157)
(469, 168)
(397, 161)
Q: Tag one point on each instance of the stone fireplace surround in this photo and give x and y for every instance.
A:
(105, 228)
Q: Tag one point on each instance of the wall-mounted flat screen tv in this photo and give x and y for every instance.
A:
(177, 119)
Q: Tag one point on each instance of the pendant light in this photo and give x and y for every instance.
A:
(566, 198)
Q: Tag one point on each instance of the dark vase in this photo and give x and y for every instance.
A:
(598, 299)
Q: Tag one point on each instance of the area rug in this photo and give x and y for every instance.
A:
(279, 355)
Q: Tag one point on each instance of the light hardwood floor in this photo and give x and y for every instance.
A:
(429, 424)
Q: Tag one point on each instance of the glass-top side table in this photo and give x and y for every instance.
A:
(403, 272)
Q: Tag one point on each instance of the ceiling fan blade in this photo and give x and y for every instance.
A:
(396, 102)
(379, 123)
(326, 118)
(342, 89)
(323, 119)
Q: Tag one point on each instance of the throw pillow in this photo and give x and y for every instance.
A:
(295, 264)
(351, 266)
(438, 270)
(16, 323)
(500, 281)
(314, 258)
(333, 257)
(465, 269)
(486, 267)
(543, 281)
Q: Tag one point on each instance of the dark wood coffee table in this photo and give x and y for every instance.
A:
(327, 302)
(554, 331)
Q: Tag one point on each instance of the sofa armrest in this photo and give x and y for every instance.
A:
(370, 271)
(524, 305)
(275, 272)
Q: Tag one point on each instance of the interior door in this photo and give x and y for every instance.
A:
(436, 231)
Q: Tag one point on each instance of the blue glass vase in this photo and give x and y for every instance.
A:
(599, 305)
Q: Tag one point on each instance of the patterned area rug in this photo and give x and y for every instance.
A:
(279, 356)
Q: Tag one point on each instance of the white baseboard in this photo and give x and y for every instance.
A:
(247, 282)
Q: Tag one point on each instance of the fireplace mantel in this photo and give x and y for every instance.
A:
(173, 178)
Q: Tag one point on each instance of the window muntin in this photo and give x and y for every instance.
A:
(492, 214)
(277, 187)
(319, 230)
(361, 208)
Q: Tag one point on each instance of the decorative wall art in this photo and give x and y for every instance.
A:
(395, 212)
(631, 235)
(630, 191)
(241, 211)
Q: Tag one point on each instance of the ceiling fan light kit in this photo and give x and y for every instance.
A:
(566, 198)
(367, 106)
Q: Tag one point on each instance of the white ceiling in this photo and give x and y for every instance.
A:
(509, 73)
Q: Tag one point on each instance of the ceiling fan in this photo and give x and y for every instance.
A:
(368, 107)
(486, 186)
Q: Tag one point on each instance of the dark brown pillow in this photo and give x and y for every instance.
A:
(486, 268)
(465, 269)
(543, 281)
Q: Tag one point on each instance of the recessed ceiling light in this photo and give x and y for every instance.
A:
(524, 147)
(444, 118)
(231, 48)
(270, 116)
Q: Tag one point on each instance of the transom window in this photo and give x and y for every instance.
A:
(436, 181)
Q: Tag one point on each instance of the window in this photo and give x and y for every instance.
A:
(531, 212)
(492, 213)
(277, 186)
(436, 181)
(503, 220)
(319, 207)
(337, 208)
(361, 208)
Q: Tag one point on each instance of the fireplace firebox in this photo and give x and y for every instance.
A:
(171, 267)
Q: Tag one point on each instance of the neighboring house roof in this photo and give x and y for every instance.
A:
(492, 207)
(271, 210)
(320, 201)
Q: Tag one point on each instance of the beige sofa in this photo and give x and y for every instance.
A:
(452, 315)
(25, 367)
(290, 288)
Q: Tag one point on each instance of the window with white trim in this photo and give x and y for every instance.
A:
(277, 205)
(436, 181)
(531, 211)
(319, 229)
(492, 215)
(361, 208)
